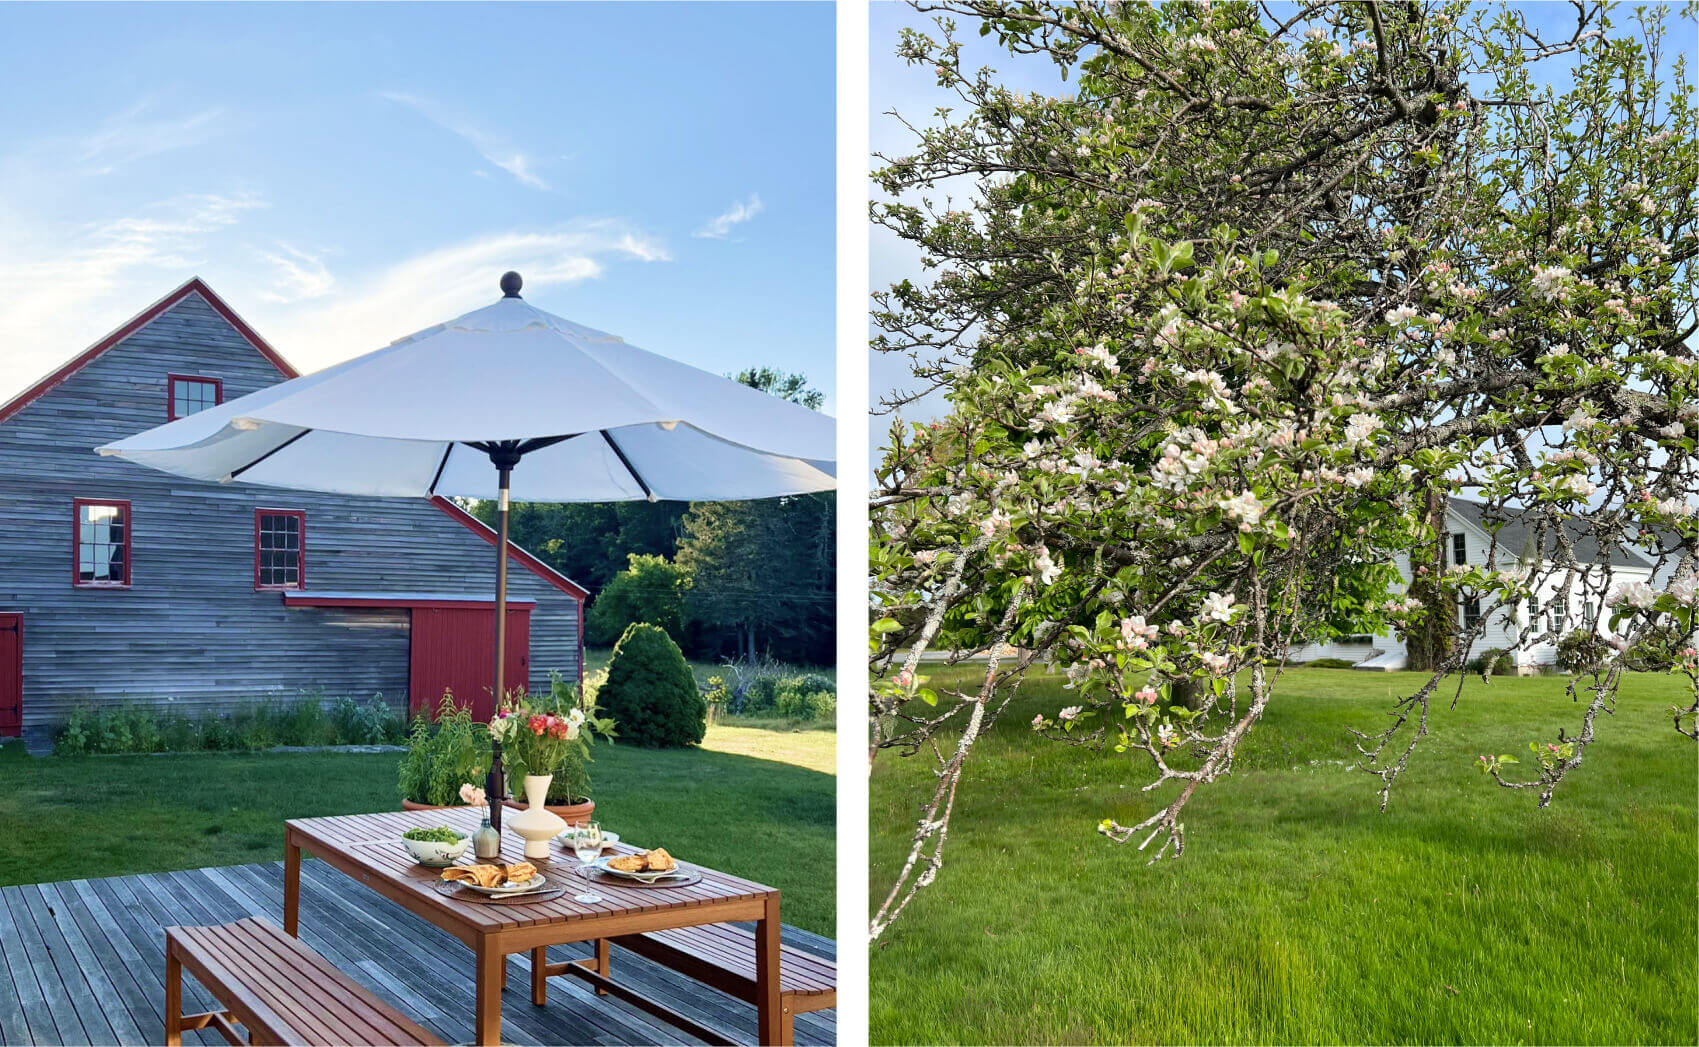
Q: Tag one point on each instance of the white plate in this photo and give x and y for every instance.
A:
(641, 877)
(566, 837)
(536, 882)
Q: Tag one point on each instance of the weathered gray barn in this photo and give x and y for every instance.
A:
(120, 583)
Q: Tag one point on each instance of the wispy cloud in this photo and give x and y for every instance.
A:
(300, 275)
(720, 225)
(413, 293)
(130, 135)
(67, 286)
(492, 147)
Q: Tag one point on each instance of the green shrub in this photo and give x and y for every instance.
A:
(1328, 663)
(219, 734)
(651, 691)
(1494, 661)
(180, 734)
(73, 738)
(306, 722)
(804, 697)
(651, 589)
(1581, 651)
(135, 728)
(145, 735)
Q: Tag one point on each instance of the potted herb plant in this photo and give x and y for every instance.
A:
(569, 788)
(443, 752)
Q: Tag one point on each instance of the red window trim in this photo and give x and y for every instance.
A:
(76, 541)
(171, 414)
(301, 571)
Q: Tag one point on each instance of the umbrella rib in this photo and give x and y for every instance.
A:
(234, 473)
(627, 463)
(446, 451)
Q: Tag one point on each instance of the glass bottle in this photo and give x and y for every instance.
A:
(486, 842)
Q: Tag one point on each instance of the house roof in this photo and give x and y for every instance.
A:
(1513, 536)
(195, 285)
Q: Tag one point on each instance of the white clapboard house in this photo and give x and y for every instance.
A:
(1467, 541)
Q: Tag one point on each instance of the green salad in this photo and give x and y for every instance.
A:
(441, 834)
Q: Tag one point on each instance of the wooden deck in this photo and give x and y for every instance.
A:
(83, 962)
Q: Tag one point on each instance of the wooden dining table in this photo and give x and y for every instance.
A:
(368, 847)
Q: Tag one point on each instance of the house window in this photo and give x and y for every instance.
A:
(1534, 611)
(1471, 612)
(191, 394)
(1459, 549)
(1589, 614)
(280, 549)
(100, 535)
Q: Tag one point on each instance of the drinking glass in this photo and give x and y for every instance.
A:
(587, 845)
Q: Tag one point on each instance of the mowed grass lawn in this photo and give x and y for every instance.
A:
(756, 803)
(1299, 913)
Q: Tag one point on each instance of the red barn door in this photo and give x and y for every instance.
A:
(11, 675)
(454, 649)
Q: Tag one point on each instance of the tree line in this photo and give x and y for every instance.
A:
(724, 579)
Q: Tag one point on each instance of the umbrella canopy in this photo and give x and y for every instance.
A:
(563, 413)
(420, 416)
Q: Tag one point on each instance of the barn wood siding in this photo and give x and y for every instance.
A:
(191, 634)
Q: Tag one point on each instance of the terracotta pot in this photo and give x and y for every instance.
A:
(570, 813)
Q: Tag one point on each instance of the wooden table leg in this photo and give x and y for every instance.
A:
(291, 883)
(490, 961)
(173, 1000)
(540, 975)
(769, 1019)
(604, 966)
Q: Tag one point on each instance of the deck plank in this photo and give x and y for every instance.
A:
(68, 1027)
(85, 963)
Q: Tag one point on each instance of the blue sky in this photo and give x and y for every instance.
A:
(347, 174)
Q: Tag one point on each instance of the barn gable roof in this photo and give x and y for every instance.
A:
(197, 286)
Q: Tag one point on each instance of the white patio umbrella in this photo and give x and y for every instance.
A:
(563, 413)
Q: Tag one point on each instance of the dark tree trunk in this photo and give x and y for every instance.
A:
(1186, 693)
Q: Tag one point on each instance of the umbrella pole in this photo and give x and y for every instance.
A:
(496, 787)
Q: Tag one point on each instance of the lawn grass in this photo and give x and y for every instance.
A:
(1299, 913)
(754, 803)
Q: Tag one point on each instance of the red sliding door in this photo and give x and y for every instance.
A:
(454, 649)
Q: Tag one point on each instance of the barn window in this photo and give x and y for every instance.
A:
(280, 549)
(1459, 548)
(1471, 612)
(192, 393)
(101, 537)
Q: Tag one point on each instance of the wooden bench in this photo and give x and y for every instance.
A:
(275, 987)
(723, 956)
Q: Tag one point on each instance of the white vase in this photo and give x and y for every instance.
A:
(536, 824)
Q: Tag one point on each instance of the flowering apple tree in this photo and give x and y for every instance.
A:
(1220, 330)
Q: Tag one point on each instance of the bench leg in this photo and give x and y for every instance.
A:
(540, 975)
(173, 1001)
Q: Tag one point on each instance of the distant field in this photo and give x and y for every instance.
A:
(1299, 913)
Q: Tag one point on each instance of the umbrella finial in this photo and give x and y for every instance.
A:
(511, 282)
